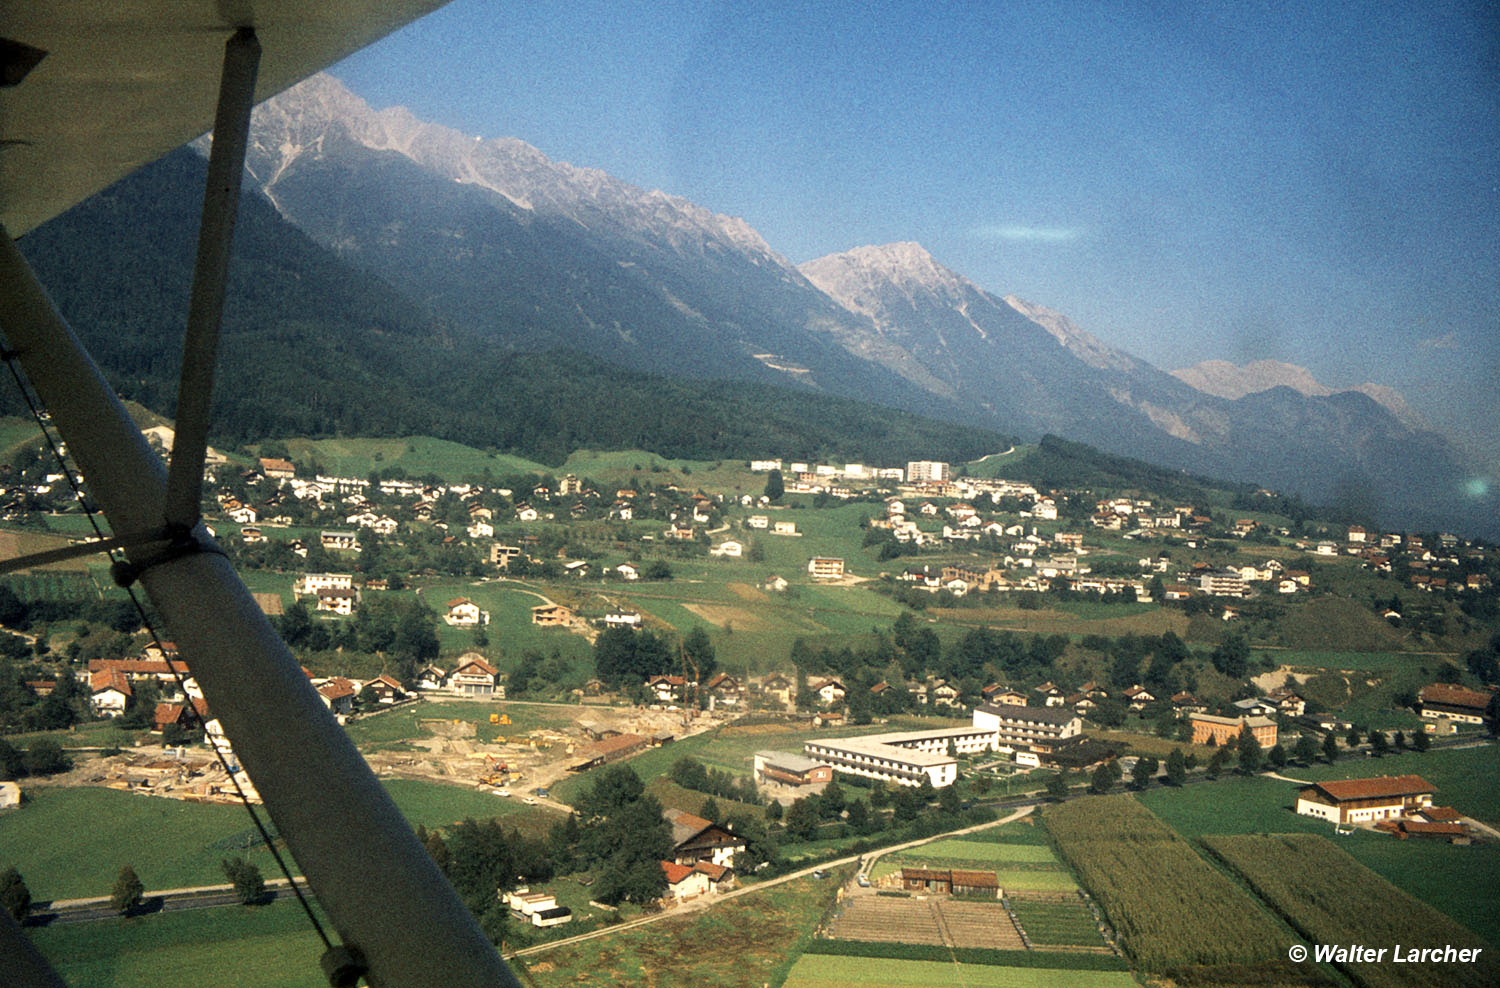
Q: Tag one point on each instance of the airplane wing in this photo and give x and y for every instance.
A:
(122, 82)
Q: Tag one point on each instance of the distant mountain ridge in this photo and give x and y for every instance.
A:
(1228, 380)
(502, 242)
(313, 347)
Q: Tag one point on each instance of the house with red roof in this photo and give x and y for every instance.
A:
(1349, 801)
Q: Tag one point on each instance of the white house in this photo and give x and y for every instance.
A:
(463, 612)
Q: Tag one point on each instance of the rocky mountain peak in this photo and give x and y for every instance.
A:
(301, 120)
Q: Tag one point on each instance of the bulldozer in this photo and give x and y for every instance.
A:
(496, 773)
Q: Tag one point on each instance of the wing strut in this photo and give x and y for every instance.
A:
(221, 200)
(389, 902)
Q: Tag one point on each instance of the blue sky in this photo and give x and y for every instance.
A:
(1311, 182)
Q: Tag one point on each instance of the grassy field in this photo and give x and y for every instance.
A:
(746, 943)
(418, 455)
(826, 971)
(435, 805)
(1112, 621)
(1299, 658)
(71, 843)
(271, 946)
(403, 723)
(67, 843)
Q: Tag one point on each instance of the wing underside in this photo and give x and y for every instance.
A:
(122, 82)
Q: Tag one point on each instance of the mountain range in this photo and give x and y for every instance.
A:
(509, 252)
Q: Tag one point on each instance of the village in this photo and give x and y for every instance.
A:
(520, 644)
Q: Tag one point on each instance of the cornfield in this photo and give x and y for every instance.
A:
(1169, 907)
(1330, 898)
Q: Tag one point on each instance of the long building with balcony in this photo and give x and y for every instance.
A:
(902, 757)
(1036, 728)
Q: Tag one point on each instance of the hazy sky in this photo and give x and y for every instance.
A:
(1311, 182)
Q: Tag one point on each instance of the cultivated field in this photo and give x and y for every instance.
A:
(1169, 906)
(825, 971)
(1332, 899)
(1063, 922)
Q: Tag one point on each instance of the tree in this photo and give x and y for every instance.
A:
(12, 762)
(1330, 748)
(1379, 743)
(710, 810)
(249, 887)
(1104, 778)
(1420, 741)
(1176, 767)
(1276, 757)
(802, 820)
(1305, 750)
(1232, 656)
(15, 897)
(1217, 762)
(1399, 740)
(775, 486)
(700, 653)
(128, 891)
(46, 757)
(831, 801)
(1143, 771)
(948, 799)
(1057, 785)
(774, 811)
(1249, 751)
(858, 816)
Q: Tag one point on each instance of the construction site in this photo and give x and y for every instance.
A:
(483, 747)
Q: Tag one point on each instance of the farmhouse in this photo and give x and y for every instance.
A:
(790, 769)
(111, 691)
(1465, 706)
(690, 881)
(830, 691)
(695, 839)
(338, 695)
(274, 468)
(667, 689)
(1211, 729)
(609, 750)
(1365, 800)
(954, 880)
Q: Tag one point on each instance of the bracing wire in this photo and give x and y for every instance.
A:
(177, 671)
